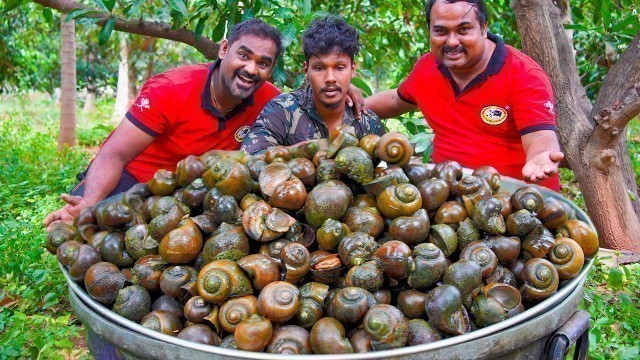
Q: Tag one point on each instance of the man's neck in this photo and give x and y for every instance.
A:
(463, 78)
(222, 99)
(332, 117)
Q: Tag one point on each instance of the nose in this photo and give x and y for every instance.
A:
(251, 67)
(452, 40)
(330, 78)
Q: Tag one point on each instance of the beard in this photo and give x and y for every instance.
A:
(241, 92)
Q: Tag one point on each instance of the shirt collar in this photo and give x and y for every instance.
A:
(494, 66)
(207, 104)
(307, 105)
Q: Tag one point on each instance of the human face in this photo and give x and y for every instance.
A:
(246, 64)
(330, 76)
(457, 39)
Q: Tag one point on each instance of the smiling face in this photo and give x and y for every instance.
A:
(246, 64)
(330, 76)
(456, 37)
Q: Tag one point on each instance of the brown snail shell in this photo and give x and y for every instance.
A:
(582, 233)
(420, 332)
(506, 249)
(229, 177)
(490, 175)
(274, 250)
(356, 248)
(279, 301)
(505, 201)
(249, 199)
(449, 171)
(289, 195)
(445, 311)
(411, 230)
(328, 200)
(360, 341)
(450, 213)
(167, 215)
(355, 163)
(307, 149)
(387, 327)
(197, 309)
(77, 258)
(472, 189)
(528, 198)
(222, 279)
(290, 339)
(369, 276)
(411, 303)
(467, 233)
(138, 243)
(61, 232)
(466, 275)
(331, 233)
(506, 295)
(233, 311)
(132, 302)
(262, 269)
(434, 193)
(273, 176)
(382, 296)
(538, 242)
(365, 200)
(552, 214)
(350, 304)
(395, 258)
(229, 342)
(174, 278)
(487, 311)
(182, 244)
(169, 304)
(189, 169)
(325, 267)
(417, 172)
(430, 265)
(256, 166)
(112, 249)
(147, 270)
(226, 210)
(296, 260)
(540, 279)
(228, 242)
(567, 256)
(199, 333)
(400, 200)
(444, 237)
(364, 219)
(394, 148)
(481, 253)
(342, 137)
(502, 275)
(328, 337)
(163, 321)
(263, 223)
(164, 182)
(369, 144)
(521, 222)
(312, 297)
(277, 153)
(488, 217)
(326, 170)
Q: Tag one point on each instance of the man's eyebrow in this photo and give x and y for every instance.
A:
(250, 52)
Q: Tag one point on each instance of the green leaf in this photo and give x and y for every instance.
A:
(106, 31)
(306, 8)
(606, 15)
(247, 14)
(48, 15)
(615, 278)
(289, 34)
(179, 6)
(632, 196)
(12, 4)
(200, 27)
(109, 4)
(135, 7)
(101, 5)
(362, 85)
(426, 157)
(279, 75)
(80, 13)
(605, 322)
(64, 344)
(218, 31)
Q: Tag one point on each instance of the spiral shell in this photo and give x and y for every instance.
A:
(233, 311)
(351, 303)
(254, 333)
(387, 327)
(279, 301)
(394, 148)
(221, 279)
(290, 339)
(328, 337)
(162, 321)
(296, 260)
(567, 256)
(482, 254)
(540, 279)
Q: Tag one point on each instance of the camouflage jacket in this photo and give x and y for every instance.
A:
(291, 118)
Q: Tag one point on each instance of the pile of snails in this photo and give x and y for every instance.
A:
(335, 246)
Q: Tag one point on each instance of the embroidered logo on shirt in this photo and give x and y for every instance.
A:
(549, 105)
(241, 133)
(493, 115)
(144, 104)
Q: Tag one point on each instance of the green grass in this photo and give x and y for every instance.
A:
(36, 320)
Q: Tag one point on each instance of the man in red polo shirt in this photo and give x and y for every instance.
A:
(185, 111)
(487, 103)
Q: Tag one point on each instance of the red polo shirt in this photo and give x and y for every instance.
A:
(482, 123)
(176, 108)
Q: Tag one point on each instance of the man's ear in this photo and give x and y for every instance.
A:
(224, 48)
(305, 67)
(353, 69)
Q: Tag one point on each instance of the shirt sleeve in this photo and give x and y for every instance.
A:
(533, 104)
(407, 89)
(154, 107)
(375, 125)
(269, 129)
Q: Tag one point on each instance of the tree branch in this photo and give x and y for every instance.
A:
(618, 115)
(204, 45)
(622, 75)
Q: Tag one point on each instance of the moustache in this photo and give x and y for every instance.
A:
(331, 88)
(448, 48)
(245, 74)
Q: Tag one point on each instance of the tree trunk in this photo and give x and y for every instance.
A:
(595, 147)
(133, 89)
(122, 91)
(67, 135)
(89, 102)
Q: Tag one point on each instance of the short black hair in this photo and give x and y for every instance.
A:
(478, 5)
(328, 34)
(257, 28)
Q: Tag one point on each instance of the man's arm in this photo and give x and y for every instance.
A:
(388, 104)
(126, 142)
(543, 155)
(269, 129)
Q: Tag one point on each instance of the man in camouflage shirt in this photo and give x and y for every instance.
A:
(318, 107)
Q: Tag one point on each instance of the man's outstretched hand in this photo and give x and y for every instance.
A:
(542, 166)
(74, 205)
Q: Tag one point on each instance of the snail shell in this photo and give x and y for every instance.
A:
(328, 337)
(430, 265)
(233, 311)
(567, 256)
(387, 327)
(394, 148)
(163, 321)
(254, 333)
(540, 279)
(279, 301)
(290, 339)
